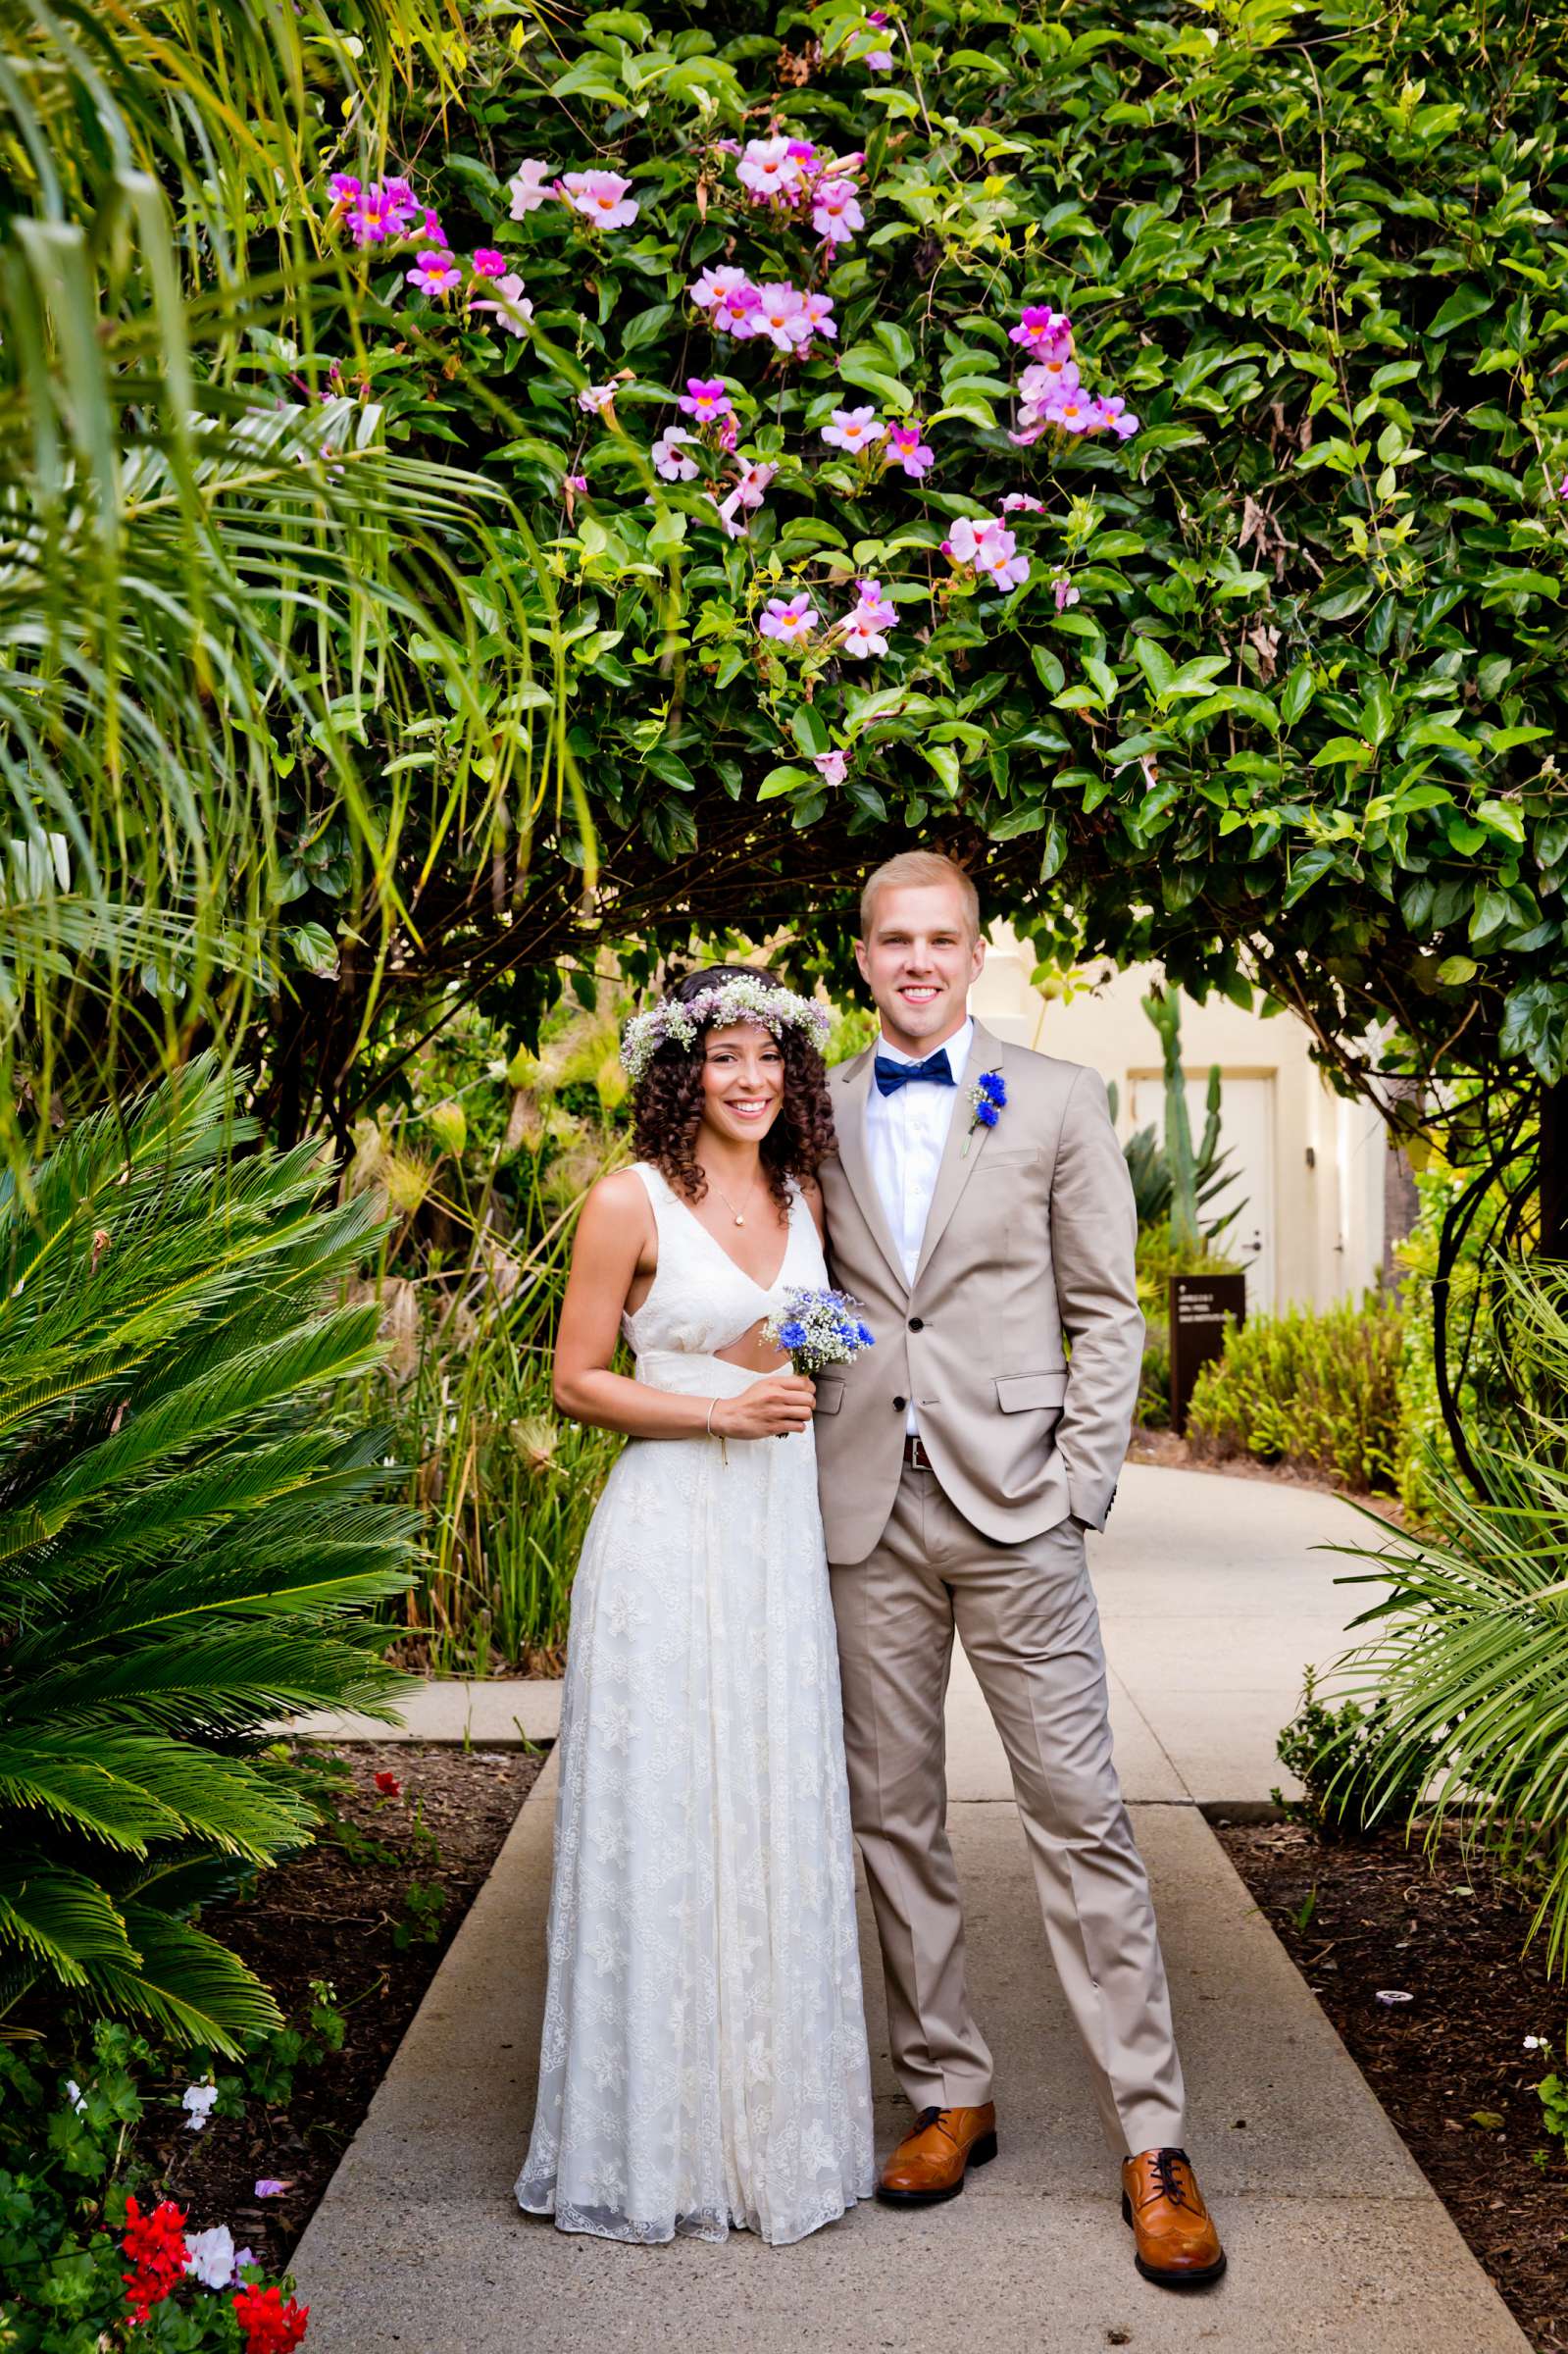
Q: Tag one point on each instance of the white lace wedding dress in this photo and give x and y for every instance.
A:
(704, 2056)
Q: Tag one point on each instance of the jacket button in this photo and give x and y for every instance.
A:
(899, 1404)
(917, 1323)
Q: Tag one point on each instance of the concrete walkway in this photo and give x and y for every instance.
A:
(1212, 1603)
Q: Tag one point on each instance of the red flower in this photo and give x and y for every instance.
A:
(156, 2246)
(388, 1785)
(270, 2326)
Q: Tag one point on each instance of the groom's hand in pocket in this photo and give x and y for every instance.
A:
(774, 1408)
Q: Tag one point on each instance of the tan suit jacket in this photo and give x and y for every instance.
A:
(1028, 1245)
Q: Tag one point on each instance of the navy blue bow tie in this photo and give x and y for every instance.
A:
(891, 1076)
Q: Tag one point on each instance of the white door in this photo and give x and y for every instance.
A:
(1246, 1136)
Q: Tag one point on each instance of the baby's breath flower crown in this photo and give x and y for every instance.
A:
(746, 999)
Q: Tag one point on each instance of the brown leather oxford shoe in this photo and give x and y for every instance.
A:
(929, 2164)
(1176, 2242)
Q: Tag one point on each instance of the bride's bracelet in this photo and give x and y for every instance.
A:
(708, 1425)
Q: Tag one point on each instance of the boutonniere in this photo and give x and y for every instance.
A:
(987, 1099)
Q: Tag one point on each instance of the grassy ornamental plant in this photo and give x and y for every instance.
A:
(1316, 1388)
(190, 1536)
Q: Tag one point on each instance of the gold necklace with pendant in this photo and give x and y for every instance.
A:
(738, 1215)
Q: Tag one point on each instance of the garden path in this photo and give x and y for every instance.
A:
(1212, 1602)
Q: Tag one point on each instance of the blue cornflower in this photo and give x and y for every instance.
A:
(986, 1113)
(866, 1341)
(792, 1335)
(993, 1087)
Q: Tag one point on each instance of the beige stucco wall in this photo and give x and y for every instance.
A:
(1327, 1156)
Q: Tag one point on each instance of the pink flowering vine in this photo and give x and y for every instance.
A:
(905, 448)
(705, 399)
(435, 272)
(667, 458)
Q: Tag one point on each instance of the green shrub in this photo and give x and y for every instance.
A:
(1317, 1389)
(190, 1532)
(1335, 1755)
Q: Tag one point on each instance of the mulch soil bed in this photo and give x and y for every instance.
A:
(333, 1915)
(1449, 2066)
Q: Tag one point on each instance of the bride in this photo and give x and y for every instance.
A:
(704, 2058)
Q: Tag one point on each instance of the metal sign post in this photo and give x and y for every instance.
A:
(1202, 1309)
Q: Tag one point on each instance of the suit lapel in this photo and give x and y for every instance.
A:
(957, 1164)
(849, 1119)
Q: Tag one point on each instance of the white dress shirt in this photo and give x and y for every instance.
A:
(906, 1135)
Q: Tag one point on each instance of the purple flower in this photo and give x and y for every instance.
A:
(878, 61)
(1044, 334)
(906, 448)
(705, 399)
(870, 606)
(780, 316)
(435, 272)
(790, 621)
(831, 766)
(836, 214)
(373, 218)
(667, 457)
(509, 308)
(526, 188)
(597, 399)
(430, 229)
(817, 310)
(853, 430)
(268, 2187)
(1022, 502)
(346, 187)
(575, 482)
(1072, 413)
(489, 262)
(1042, 382)
(996, 561)
(1064, 593)
(768, 169)
(730, 299)
(1562, 488)
(600, 198)
(1111, 414)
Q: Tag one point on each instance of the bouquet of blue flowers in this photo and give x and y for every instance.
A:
(818, 1329)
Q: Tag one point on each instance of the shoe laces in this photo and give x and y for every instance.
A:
(1169, 2183)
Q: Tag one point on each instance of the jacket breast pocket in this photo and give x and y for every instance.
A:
(830, 1397)
(1031, 1393)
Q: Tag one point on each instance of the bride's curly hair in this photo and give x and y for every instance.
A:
(667, 1101)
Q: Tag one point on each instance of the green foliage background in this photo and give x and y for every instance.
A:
(1300, 727)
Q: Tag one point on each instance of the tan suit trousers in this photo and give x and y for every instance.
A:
(1026, 1618)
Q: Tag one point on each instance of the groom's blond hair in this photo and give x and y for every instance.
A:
(919, 870)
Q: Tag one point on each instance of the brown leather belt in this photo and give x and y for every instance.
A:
(915, 1455)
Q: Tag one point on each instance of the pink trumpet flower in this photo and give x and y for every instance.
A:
(509, 308)
(600, 198)
(853, 430)
(1022, 502)
(345, 188)
(1064, 593)
(489, 262)
(817, 311)
(780, 316)
(1111, 414)
(831, 766)
(837, 214)
(906, 449)
(791, 622)
(705, 399)
(435, 272)
(768, 169)
(1044, 334)
(529, 186)
(667, 457)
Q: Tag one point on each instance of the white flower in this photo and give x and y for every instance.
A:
(667, 458)
(512, 309)
(75, 2096)
(596, 398)
(210, 2255)
(196, 2101)
(1534, 2043)
(526, 188)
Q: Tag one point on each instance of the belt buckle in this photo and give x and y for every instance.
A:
(919, 1459)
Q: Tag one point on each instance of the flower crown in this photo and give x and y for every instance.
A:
(746, 999)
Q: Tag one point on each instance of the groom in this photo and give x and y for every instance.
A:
(960, 1465)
